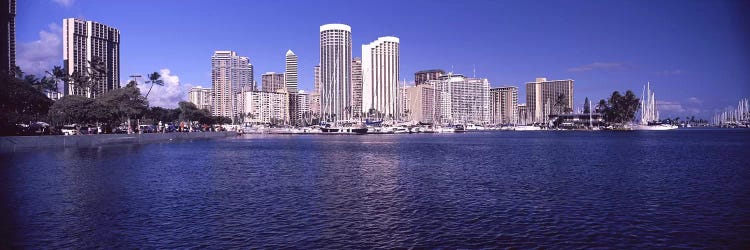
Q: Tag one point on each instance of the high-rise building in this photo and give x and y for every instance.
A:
(291, 72)
(86, 43)
(8, 32)
(380, 71)
(266, 107)
(469, 98)
(303, 109)
(546, 97)
(201, 97)
(231, 75)
(315, 95)
(290, 77)
(335, 71)
(357, 86)
(504, 105)
(422, 104)
(422, 77)
(272, 82)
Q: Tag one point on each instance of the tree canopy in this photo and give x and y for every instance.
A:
(619, 109)
(20, 102)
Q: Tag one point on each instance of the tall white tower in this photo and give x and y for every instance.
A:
(83, 41)
(380, 70)
(230, 75)
(291, 72)
(335, 71)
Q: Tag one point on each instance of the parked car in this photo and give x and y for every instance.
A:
(69, 130)
(146, 128)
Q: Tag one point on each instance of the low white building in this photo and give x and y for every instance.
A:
(265, 107)
(201, 97)
(463, 99)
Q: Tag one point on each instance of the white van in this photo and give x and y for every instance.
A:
(69, 130)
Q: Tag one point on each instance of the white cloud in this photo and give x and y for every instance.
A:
(669, 108)
(170, 94)
(41, 55)
(672, 72)
(66, 3)
(600, 66)
(695, 100)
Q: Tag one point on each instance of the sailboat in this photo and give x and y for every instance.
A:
(649, 119)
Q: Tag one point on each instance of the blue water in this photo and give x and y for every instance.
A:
(685, 188)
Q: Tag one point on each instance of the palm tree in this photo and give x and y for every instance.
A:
(82, 81)
(59, 74)
(560, 103)
(586, 108)
(154, 78)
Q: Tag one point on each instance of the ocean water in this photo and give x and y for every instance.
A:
(561, 189)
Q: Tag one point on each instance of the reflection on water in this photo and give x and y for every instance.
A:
(477, 190)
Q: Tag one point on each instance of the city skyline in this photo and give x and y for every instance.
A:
(701, 58)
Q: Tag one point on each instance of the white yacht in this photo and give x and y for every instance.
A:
(649, 119)
(527, 128)
(445, 130)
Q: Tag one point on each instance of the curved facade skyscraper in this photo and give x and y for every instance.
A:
(335, 72)
(380, 71)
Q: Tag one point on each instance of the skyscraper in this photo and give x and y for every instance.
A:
(230, 76)
(380, 71)
(422, 104)
(291, 86)
(542, 98)
(504, 105)
(272, 82)
(468, 98)
(315, 96)
(423, 76)
(291, 72)
(87, 42)
(357, 86)
(8, 41)
(335, 71)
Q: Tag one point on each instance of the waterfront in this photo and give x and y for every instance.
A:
(550, 189)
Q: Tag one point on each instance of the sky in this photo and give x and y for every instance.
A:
(694, 53)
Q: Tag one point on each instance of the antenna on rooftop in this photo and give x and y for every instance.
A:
(475, 71)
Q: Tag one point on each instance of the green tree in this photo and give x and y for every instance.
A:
(188, 111)
(123, 104)
(560, 104)
(154, 78)
(602, 106)
(20, 103)
(586, 108)
(71, 109)
(221, 120)
(620, 109)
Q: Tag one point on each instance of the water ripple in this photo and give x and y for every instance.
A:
(682, 189)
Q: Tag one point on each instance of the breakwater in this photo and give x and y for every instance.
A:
(13, 143)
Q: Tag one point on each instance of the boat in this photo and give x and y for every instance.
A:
(649, 118)
(472, 126)
(445, 130)
(527, 128)
(344, 128)
(400, 130)
(459, 128)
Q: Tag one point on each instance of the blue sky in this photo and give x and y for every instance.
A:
(693, 52)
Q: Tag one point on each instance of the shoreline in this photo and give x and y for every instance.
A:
(15, 143)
